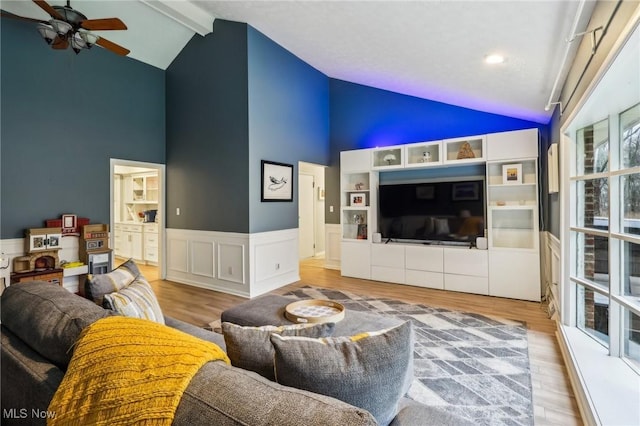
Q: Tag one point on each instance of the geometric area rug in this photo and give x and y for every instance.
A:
(469, 364)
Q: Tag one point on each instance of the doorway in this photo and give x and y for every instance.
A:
(310, 210)
(137, 215)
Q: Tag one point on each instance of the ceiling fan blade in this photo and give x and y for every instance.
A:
(103, 24)
(60, 43)
(50, 10)
(109, 45)
(22, 18)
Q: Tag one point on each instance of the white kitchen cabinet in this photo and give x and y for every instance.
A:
(151, 243)
(128, 241)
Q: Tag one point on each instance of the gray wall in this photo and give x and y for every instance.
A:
(288, 122)
(207, 132)
(63, 117)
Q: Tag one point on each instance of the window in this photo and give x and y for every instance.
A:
(600, 236)
(605, 232)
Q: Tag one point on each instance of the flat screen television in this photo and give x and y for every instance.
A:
(432, 211)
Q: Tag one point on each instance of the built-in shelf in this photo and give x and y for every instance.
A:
(464, 150)
(425, 154)
(510, 267)
(387, 158)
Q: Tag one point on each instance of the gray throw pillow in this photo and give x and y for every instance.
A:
(250, 348)
(137, 300)
(97, 285)
(368, 370)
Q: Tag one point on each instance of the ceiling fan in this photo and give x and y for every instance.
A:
(68, 27)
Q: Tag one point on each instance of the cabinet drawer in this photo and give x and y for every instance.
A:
(132, 228)
(387, 255)
(391, 275)
(151, 228)
(425, 258)
(425, 279)
(466, 262)
(150, 240)
(466, 284)
(151, 254)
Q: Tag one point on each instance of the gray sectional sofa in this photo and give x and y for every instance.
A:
(41, 322)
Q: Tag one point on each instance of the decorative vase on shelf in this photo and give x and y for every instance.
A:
(389, 158)
(426, 157)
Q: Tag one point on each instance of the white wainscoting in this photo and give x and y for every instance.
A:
(332, 246)
(242, 264)
(550, 265)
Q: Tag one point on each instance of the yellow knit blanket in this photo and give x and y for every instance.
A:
(128, 371)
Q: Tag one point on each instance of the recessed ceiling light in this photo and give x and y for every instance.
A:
(494, 59)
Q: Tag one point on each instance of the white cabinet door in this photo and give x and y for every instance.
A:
(512, 145)
(356, 260)
(136, 245)
(514, 274)
(357, 160)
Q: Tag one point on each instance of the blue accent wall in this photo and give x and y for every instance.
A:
(288, 122)
(366, 117)
(63, 117)
(207, 132)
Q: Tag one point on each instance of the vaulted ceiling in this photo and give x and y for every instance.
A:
(429, 49)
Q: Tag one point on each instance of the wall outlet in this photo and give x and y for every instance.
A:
(330, 209)
(177, 211)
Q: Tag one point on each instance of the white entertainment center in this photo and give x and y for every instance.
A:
(510, 267)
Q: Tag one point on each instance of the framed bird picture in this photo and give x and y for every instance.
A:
(277, 181)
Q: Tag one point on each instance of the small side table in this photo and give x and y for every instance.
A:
(54, 276)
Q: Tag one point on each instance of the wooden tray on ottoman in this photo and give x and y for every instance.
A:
(314, 311)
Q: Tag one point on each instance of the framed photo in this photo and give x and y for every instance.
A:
(277, 181)
(357, 199)
(465, 191)
(362, 231)
(512, 174)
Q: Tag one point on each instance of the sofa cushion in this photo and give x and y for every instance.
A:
(368, 370)
(48, 318)
(97, 285)
(220, 395)
(250, 348)
(137, 300)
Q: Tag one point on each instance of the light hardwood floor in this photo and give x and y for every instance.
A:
(553, 399)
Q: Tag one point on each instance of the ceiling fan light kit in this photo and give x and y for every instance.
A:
(47, 32)
(68, 27)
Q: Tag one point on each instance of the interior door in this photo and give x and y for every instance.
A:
(306, 223)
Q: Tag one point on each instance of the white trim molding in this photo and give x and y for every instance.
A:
(245, 265)
(332, 245)
(185, 13)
